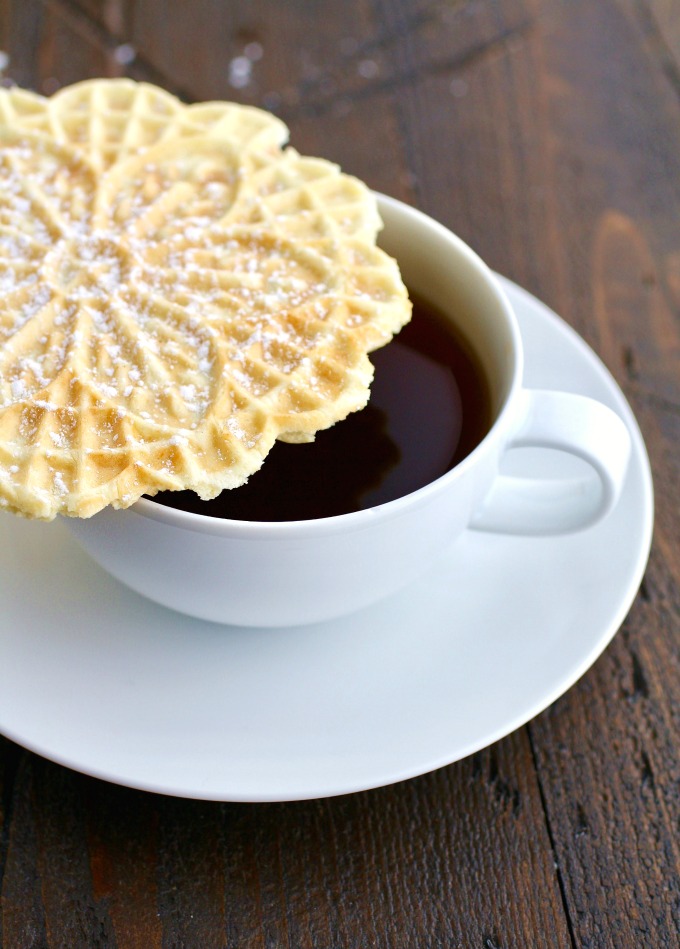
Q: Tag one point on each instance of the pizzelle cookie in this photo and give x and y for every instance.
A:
(171, 308)
(109, 119)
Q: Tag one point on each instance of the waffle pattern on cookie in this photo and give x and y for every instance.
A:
(108, 120)
(167, 313)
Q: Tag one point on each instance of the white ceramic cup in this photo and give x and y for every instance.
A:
(286, 573)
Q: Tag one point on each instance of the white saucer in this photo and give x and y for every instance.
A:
(103, 681)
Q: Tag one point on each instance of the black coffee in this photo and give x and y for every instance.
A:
(429, 407)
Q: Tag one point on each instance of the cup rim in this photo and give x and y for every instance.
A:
(358, 520)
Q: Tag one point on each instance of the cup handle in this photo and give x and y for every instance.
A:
(575, 424)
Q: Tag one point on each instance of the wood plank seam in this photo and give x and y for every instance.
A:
(551, 837)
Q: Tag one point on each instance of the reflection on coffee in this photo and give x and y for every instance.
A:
(429, 407)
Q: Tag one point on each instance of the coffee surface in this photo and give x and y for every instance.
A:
(429, 408)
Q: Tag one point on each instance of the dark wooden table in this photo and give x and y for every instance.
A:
(547, 134)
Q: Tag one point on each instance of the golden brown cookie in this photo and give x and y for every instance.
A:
(168, 312)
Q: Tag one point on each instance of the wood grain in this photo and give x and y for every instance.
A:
(619, 174)
(548, 135)
(96, 865)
